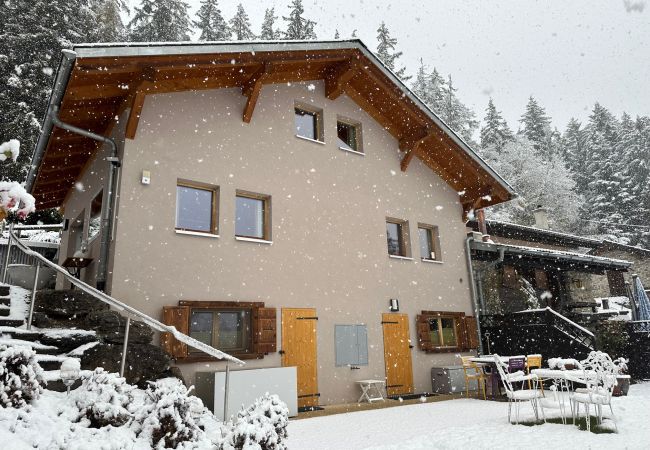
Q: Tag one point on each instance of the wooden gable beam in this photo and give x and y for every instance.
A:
(337, 77)
(251, 88)
(137, 102)
(410, 145)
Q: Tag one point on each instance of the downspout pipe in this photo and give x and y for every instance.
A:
(107, 218)
(472, 288)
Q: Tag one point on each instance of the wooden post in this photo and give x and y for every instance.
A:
(226, 392)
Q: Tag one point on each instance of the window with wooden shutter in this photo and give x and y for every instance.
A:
(264, 331)
(178, 317)
(441, 331)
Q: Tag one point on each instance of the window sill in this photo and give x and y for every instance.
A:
(349, 150)
(431, 261)
(197, 233)
(310, 139)
(407, 258)
(247, 239)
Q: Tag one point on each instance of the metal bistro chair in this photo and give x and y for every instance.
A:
(523, 395)
(473, 371)
(599, 374)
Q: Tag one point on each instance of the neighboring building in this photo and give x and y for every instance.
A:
(639, 257)
(542, 268)
(271, 200)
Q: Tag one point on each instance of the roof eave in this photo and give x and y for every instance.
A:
(153, 49)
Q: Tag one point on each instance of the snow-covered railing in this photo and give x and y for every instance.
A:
(118, 305)
(565, 325)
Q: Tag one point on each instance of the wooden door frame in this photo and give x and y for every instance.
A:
(311, 399)
(385, 320)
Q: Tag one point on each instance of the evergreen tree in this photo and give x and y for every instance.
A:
(387, 53)
(211, 23)
(420, 86)
(269, 33)
(298, 28)
(459, 117)
(496, 132)
(603, 171)
(240, 25)
(160, 21)
(573, 146)
(536, 126)
(108, 21)
(32, 35)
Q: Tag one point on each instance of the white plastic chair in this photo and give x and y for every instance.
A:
(599, 372)
(519, 396)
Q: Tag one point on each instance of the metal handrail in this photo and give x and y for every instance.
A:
(116, 304)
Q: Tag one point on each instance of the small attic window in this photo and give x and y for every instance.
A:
(309, 123)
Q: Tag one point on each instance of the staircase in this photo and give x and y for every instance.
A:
(52, 345)
(542, 331)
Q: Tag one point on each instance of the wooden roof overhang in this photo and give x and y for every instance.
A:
(105, 80)
(541, 258)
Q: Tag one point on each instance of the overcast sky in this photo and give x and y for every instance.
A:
(566, 53)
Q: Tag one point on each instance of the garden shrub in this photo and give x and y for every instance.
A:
(263, 426)
(21, 377)
(103, 399)
(169, 415)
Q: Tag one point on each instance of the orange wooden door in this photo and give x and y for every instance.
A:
(299, 349)
(397, 354)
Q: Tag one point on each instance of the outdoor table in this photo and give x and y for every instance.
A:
(561, 379)
(367, 386)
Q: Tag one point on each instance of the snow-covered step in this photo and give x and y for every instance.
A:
(36, 346)
(4, 290)
(5, 310)
(5, 300)
(51, 362)
(11, 322)
(20, 333)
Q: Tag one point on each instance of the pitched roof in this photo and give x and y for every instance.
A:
(533, 234)
(96, 82)
(611, 245)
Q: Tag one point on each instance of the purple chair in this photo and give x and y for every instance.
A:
(516, 364)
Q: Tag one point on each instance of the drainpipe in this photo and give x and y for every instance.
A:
(107, 219)
(472, 288)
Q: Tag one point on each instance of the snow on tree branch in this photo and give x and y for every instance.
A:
(13, 196)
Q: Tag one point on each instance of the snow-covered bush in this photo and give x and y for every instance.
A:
(263, 426)
(169, 416)
(103, 399)
(20, 376)
(13, 196)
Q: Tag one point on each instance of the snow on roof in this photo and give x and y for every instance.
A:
(550, 252)
(559, 234)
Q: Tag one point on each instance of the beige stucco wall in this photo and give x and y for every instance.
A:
(328, 217)
(93, 180)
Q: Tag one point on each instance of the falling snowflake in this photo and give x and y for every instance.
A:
(311, 87)
(79, 186)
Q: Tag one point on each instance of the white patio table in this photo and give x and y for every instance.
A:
(367, 386)
(561, 380)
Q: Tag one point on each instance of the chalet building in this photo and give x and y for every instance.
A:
(293, 204)
(522, 267)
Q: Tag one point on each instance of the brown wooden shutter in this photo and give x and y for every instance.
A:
(471, 332)
(179, 317)
(461, 333)
(264, 331)
(541, 280)
(422, 329)
(510, 277)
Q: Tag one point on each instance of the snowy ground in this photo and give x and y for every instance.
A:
(467, 423)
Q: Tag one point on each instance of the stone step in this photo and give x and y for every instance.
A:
(4, 322)
(5, 311)
(4, 290)
(51, 362)
(5, 300)
(20, 333)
